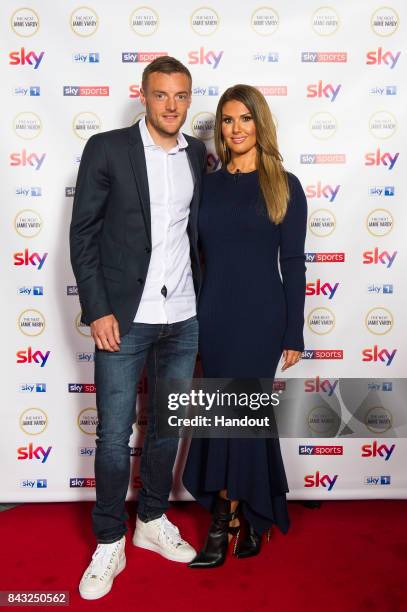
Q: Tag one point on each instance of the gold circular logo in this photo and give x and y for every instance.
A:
(325, 21)
(382, 124)
(84, 21)
(25, 22)
(379, 321)
(31, 322)
(385, 21)
(378, 419)
(33, 421)
(86, 124)
(83, 329)
(87, 421)
(204, 21)
(323, 125)
(265, 21)
(144, 21)
(321, 321)
(379, 222)
(27, 125)
(203, 125)
(322, 222)
(28, 223)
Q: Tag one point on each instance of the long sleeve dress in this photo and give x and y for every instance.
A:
(248, 314)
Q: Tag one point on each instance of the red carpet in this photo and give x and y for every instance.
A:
(348, 556)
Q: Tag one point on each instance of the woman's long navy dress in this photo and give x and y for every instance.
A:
(247, 315)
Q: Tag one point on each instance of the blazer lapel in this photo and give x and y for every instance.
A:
(138, 163)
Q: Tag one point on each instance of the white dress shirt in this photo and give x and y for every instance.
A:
(171, 187)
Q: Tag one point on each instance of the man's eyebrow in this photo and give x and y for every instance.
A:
(166, 93)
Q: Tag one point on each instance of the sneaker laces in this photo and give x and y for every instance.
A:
(168, 531)
(101, 564)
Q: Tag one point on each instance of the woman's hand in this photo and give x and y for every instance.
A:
(290, 358)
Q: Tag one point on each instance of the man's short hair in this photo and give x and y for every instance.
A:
(165, 64)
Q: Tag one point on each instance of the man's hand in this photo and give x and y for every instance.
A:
(290, 358)
(105, 332)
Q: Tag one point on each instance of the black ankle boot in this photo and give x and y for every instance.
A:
(249, 545)
(214, 551)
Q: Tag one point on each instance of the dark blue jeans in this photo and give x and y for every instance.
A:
(169, 350)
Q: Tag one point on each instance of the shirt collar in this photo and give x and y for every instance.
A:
(148, 141)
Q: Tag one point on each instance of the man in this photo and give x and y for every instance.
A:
(134, 253)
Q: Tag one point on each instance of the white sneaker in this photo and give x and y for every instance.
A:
(108, 561)
(161, 536)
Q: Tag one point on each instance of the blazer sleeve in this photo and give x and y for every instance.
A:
(91, 193)
(292, 264)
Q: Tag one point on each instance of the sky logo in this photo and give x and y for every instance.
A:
(87, 451)
(383, 355)
(381, 159)
(27, 159)
(318, 289)
(25, 259)
(33, 91)
(21, 57)
(378, 58)
(28, 356)
(319, 190)
(200, 57)
(32, 388)
(316, 385)
(378, 450)
(86, 58)
(319, 90)
(29, 452)
(382, 257)
(320, 481)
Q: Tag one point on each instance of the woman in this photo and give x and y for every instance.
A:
(252, 214)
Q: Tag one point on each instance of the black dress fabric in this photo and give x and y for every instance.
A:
(247, 314)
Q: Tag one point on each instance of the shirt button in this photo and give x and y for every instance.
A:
(140, 280)
(147, 250)
(164, 291)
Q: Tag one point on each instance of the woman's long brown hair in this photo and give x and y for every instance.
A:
(272, 176)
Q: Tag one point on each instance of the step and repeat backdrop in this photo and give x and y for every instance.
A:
(333, 76)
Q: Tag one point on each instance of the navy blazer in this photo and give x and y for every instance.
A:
(110, 233)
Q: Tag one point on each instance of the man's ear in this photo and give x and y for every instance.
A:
(142, 97)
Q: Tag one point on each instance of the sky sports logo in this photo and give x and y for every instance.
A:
(382, 191)
(32, 387)
(36, 290)
(37, 483)
(81, 388)
(322, 158)
(142, 57)
(33, 91)
(322, 354)
(86, 90)
(324, 57)
(72, 290)
(325, 257)
(86, 58)
(320, 450)
(75, 483)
